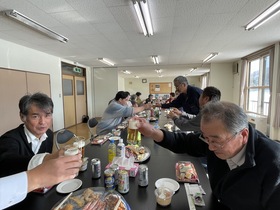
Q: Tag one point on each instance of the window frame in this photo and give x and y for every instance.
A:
(261, 109)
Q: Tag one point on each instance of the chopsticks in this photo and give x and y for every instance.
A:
(62, 202)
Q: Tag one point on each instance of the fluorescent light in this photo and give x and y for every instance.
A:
(143, 15)
(158, 71)
(264, 16)
(210, 57)
(106, 61)
(32, 23)
(155, 59)
(193, 69)
(136, 76)
(126, 72)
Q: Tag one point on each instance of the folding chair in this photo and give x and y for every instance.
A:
(63, 136)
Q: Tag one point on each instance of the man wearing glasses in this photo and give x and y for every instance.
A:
(188, 97)
(243, 163)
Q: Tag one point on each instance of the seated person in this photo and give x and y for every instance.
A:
(181, 119)
(138, 99)
(171, 98)
(28, 145)
(188, 97)
(243, 163)
(116, 111)
(149, 99)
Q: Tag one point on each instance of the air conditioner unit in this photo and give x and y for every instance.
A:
(259, 122)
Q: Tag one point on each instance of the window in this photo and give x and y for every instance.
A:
(258, 93)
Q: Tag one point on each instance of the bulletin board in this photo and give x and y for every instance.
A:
(160, 87)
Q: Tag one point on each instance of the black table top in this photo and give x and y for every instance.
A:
(161, 164)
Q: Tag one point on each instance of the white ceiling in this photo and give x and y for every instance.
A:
(186, 31)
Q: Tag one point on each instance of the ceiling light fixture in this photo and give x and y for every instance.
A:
(35, 25)
(126, 72)
(155, 59)
(136, 76)
(210, 57)
(143, 15)
(193, 69)
(106, 61)
(264, 16)
(158, 71)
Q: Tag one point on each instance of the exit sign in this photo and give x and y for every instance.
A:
(77, 70)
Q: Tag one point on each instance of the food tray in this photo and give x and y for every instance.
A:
(79, 199)
(185, 172)
(133, 150)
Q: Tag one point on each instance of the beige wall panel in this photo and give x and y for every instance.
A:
(13, 87)
(38, 83)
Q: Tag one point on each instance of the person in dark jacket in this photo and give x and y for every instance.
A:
(182, 119)
(188, 97)
(243, 163)
(31, 143)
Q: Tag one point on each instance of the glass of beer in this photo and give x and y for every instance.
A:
(80, 143)
(133, 135)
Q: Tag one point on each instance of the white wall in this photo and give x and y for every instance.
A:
(105, 83)
(134, 85)
(221, 77)
(17, 57)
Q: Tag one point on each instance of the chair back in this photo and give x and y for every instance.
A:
(63, 136)
(92, 122)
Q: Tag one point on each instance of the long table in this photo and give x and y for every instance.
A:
(161, 164)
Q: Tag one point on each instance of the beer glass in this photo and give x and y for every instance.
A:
(79, 142)
(133, 135)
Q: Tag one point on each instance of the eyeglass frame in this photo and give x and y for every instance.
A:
(218, 145)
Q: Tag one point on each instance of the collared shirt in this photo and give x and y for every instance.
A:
(37, 159)
(13, 189)
(237, 160)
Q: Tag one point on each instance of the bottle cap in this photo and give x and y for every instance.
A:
(112, 141)
(121, 140)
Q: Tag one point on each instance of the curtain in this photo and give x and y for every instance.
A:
(244, 68)
(271, 64)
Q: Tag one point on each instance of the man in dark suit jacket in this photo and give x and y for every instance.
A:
(30, 143)
(188, 98)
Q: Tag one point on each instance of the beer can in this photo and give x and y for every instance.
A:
(123, 181)
(96, 168)
(109, 180)
(115, 168)
(143, 179)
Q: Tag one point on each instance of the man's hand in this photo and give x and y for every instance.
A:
(54, 171)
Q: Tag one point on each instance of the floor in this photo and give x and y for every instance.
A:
(79, 130)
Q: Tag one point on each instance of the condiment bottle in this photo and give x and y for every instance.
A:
(111, 150)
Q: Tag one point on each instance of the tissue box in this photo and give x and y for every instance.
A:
(132, 172)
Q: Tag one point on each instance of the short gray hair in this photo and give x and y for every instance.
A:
(233, 116)
(181, 80)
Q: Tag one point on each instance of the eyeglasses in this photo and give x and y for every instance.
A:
(216, 144)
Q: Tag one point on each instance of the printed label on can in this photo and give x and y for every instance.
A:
(143, 179)
(109, 180)
(123, 181)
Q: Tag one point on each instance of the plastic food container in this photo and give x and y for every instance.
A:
(164, 196)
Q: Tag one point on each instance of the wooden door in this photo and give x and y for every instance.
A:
(80, 98)
(68, 100)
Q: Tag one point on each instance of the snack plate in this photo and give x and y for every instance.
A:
(145, 156)
(98, 190)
